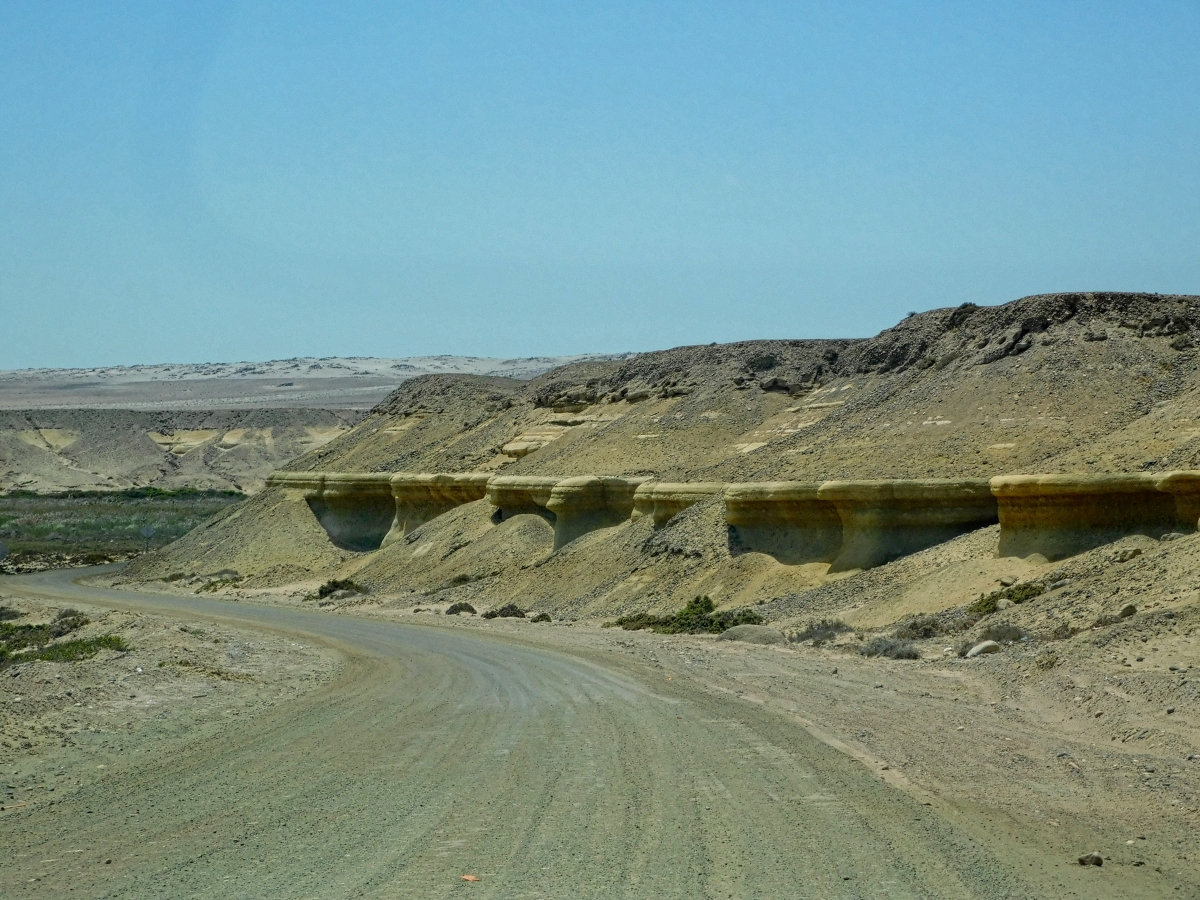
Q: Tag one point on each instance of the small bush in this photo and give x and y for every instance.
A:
(508, 611)
(1000, 633)
(890, 648)
(339, 584)
(698, 617)
(1046, 660)
(216, 585)
(1017, 593)
(819, 632)
(7, 614)
(541, 617)
(461, 607)
(919, 628)
(1064, 631)
(73, 651)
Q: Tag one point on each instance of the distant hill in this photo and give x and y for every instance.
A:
(302, 382)
(212, 426)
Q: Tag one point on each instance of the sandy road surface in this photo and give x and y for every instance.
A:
(442, 752)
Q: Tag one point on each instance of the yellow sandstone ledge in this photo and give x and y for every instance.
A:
(847, 524)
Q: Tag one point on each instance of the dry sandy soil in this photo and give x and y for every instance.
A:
(564, 759)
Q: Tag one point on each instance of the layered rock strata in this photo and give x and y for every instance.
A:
(420, 498)
(1061, 515)
(590, 502)
(785, 519)
(884, 520)
(847, 524)
(357, 511)
(663, 501)
(515, 495)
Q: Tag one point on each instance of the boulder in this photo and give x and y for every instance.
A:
(981, 648)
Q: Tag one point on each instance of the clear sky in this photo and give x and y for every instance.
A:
(228, 180)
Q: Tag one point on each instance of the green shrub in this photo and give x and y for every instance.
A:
(698, 617)
(339, 584)
(541, 617)
(73, 651)
(1017, 593)
(461, 607)
(919, 628)
(508, 611)
(819, 632)
(1001, 632)
(890, 648)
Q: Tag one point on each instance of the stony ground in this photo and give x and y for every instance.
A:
(64, 724)
(567, 758)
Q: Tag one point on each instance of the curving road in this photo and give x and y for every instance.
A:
(445, 751)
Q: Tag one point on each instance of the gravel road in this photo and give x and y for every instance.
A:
(445, 752)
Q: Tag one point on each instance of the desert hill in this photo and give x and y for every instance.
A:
(209, 426)
(85, 449)
(302, 382)
(951, 392)
(1053, 383)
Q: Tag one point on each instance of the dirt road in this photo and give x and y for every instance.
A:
(443, 752)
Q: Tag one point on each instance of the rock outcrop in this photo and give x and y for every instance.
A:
(516, 495)
(420, 498)
(847, 524)
(1062, 515)
(663, 501)
(357, 511)
(589, 502)
(784, 519)
(884, 520)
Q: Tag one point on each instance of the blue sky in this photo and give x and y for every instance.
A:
(222, 181)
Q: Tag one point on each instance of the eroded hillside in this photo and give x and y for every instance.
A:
(1071, 383)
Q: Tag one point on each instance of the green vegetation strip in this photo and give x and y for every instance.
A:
(698, 617)
(16, 641)
(104, 522)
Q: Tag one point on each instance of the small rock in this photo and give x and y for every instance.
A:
(1091, 859)
(1171, 536)
(879, 684)
(1141, 659)
(1003, 603)
(1126, 554)
(1008, 580)
(985, 647)
(1127, 610)
(1170, 710)
(1061, 583)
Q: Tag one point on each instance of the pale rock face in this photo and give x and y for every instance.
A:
(356, 511)
(663, 501)
(421, 498)
(847, 524)
(787, 520)
(515, 495)
(1061, 515)
(590, 502)
(884, 520)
